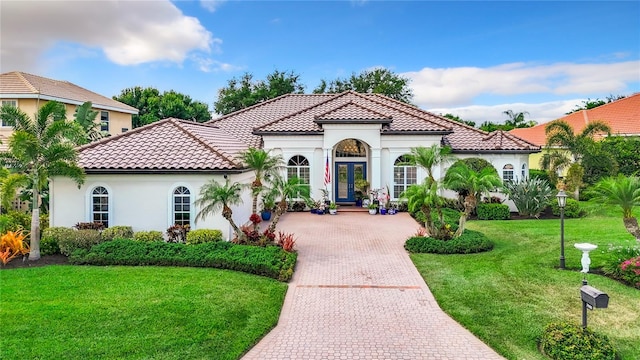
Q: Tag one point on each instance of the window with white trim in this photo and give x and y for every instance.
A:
(298, 166)
(404, 175)
(181, 206)
(104, 121)
(13, 103)
(507, 173)
(100, 205)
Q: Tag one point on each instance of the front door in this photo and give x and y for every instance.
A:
(347, 174)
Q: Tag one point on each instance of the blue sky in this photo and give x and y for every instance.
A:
(474, 59)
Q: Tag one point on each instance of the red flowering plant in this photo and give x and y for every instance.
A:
(630, 271)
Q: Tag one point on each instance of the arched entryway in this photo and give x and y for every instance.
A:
(350, 165)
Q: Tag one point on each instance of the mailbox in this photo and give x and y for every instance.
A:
(594, 297)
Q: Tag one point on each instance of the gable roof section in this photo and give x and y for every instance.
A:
(623, 116)
(20, 85)
(352, 112)
(164, 146)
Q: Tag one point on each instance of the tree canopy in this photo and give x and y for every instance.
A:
(516, 120)
(376, 81)
(590, 104)
(459, 119)
(153, 105)
(243, 92)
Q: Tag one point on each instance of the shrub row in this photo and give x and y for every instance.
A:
(563, 341)
(493, 211)
(270, 261)
(201, 236)
(148, 236)
(469, 242)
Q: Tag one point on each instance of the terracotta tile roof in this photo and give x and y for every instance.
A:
(623, 116)
(170, 144)
(22, 85)
(351, 111)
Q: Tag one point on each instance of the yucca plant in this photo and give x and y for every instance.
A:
(530, 196)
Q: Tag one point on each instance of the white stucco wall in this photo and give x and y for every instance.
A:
(140, 201)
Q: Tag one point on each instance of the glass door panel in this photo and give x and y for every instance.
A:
(343, 184)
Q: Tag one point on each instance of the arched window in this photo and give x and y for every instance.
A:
(181, 206)
(404, 175)
(524, 171)
(100, 205)
(298, 166)
(351, 148)
(507, 173)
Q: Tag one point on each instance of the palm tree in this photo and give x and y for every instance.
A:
(41, 148)
(286, 189)
(9, 185)
(263, 165)
(517, 119)
(623, 191)
(215, 197)
(552, 162)
(462, 177)
(561, 134)
(429, 158)
(86, 118)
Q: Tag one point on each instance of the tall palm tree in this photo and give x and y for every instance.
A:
(517, 119)
(552, 162)
(429, 158)
(561, 134)
(263, 165)
(461, 176)
(86, 118)
(286, 189)
(40, 148)
(215, 197)
(623, 191)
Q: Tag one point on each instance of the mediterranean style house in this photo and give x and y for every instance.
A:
(150, 177)
(29, 92)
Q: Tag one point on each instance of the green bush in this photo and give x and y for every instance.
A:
(571, 210)
(80, 239)
(148, 236)
(469, 242)
(57, 234)
(539, 174)
(270, 261)
(117, 232)
(562, 341)
(450, 216)
(530, 196)
(7, 223)
(203, 235)
(493, 211)
(49, 246)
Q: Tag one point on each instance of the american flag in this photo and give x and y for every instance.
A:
(327, 172)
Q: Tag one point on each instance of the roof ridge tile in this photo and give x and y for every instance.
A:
(177, 123)
(351, 102)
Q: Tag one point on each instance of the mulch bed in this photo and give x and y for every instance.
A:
(19, 263)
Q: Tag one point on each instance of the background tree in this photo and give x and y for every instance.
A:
(553, 162)
(263, 165)
(214, 197)
(40, 148)
(154, 106)
(623, 191)
(86, 118)
(377, 81)
(245, 91)
(590, 104)
(458, 119)
(515, 120)
(624, 150)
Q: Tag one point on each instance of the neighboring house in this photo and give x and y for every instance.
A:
(146, 177)
(622, 116)
(29, 92)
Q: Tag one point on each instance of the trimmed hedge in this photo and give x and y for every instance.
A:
(493, 211)
(152, 235)
(270, 261)
(469, 242)
(117, 232)
(563, 341)
(78, 239)
(572, 209)
(203, 236)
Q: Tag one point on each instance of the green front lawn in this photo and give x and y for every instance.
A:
(507, 296)
(84, 312)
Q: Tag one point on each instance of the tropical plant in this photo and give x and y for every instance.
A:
(40, 148)
(12, 244)
(530, 196)
(473, 183)
(623, 191)
(9, 185)
(517, 119)
(284, 190)
(263, 165)
(553, 162)
(86, 118)
(215, 197)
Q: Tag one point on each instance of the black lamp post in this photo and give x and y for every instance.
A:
(562, 201)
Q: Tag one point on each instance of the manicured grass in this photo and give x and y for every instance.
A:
(507, 296)
(84, 312)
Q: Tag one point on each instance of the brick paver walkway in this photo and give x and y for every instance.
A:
(357, 295)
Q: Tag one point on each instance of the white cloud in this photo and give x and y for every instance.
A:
(206, 64)
(541, 112)
(459, 86)
(128, 32)
(211, 5)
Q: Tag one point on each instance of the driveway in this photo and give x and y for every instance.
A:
(356, 295)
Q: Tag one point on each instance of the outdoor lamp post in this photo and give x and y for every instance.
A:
(562, 201)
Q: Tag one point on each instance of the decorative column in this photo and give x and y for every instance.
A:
(376, 171)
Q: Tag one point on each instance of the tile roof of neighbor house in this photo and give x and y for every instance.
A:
(623, 116)
(170, 144)
(304, 114)
(20, 85)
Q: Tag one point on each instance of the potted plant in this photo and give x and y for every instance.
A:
(358, 195)
(373, 208)
(362, 187)
(268, 205)
(333, 208)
